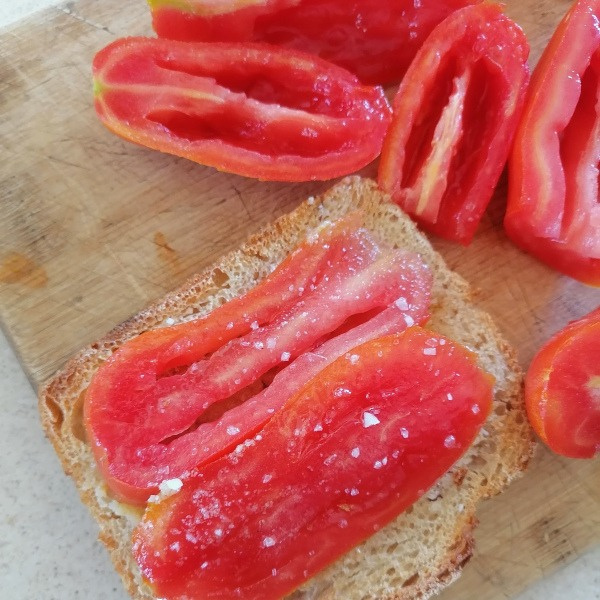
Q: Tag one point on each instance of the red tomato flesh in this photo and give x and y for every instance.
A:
(253, 110)
(562, 389)
(179, 396)
(351, 450)
(375, 39)
(553, 209)
(455, 114)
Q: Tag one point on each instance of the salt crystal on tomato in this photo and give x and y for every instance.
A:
(369, 419)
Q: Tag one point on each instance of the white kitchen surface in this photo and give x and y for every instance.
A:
(48, 546)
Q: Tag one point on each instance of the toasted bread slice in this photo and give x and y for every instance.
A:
(425, 548)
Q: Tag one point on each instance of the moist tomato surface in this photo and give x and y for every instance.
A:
(349, 451)
(177, 397)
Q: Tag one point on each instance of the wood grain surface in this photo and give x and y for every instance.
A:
(93, 228)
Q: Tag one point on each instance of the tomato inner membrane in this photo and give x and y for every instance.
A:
(580, 155)
(217, 409)
(289, 85)
(442, 157)
(239, 128)
(419, 142)
(479, 105)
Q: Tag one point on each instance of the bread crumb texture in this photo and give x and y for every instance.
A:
(425, 548)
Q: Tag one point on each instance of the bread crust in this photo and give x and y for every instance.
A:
(426, 547)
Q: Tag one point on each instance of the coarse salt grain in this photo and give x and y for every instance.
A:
(169, 321)
(232, 430)
(339, 392)
(409, 320)
(475, 409)
(355, 452)
(449, 396)
(271, 343)
(285, 356)
(401, 303)
(429, 351)
(450, 441)
(318, 427)
(369, 419)
(267, 477)
(170, 486)
(254, 325)
(268, 542)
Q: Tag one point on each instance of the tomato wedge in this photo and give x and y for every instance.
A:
(351, 450)
(180, 396)
(249, 109)
(375, 39)
(553, 209)
(455, 115)
(562, 389)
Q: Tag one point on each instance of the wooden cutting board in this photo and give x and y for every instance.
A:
(92, 229)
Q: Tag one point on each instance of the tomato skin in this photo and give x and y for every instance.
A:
(249, 109)
(553, 210)
(176, 397)
(454, 117)
(375, 39)
(562, 389)
(348, 453)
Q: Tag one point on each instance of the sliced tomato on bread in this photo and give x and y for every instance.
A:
(351, 450)
(178, 397)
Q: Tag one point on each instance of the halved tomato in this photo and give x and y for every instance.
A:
(180, 396)
(562, 389)
(454, 119)
(375, 39)
(348, 452)
(553, 209)
(255, 110)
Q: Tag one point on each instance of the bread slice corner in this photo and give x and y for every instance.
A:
(426, 547)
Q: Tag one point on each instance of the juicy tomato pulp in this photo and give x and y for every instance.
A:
(375, 39)
(553, 209)
(562, 389)
(454, 117)
(352, 449)
(254, 110)
(177, 397)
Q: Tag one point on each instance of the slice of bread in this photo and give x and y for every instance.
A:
(425, 548)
